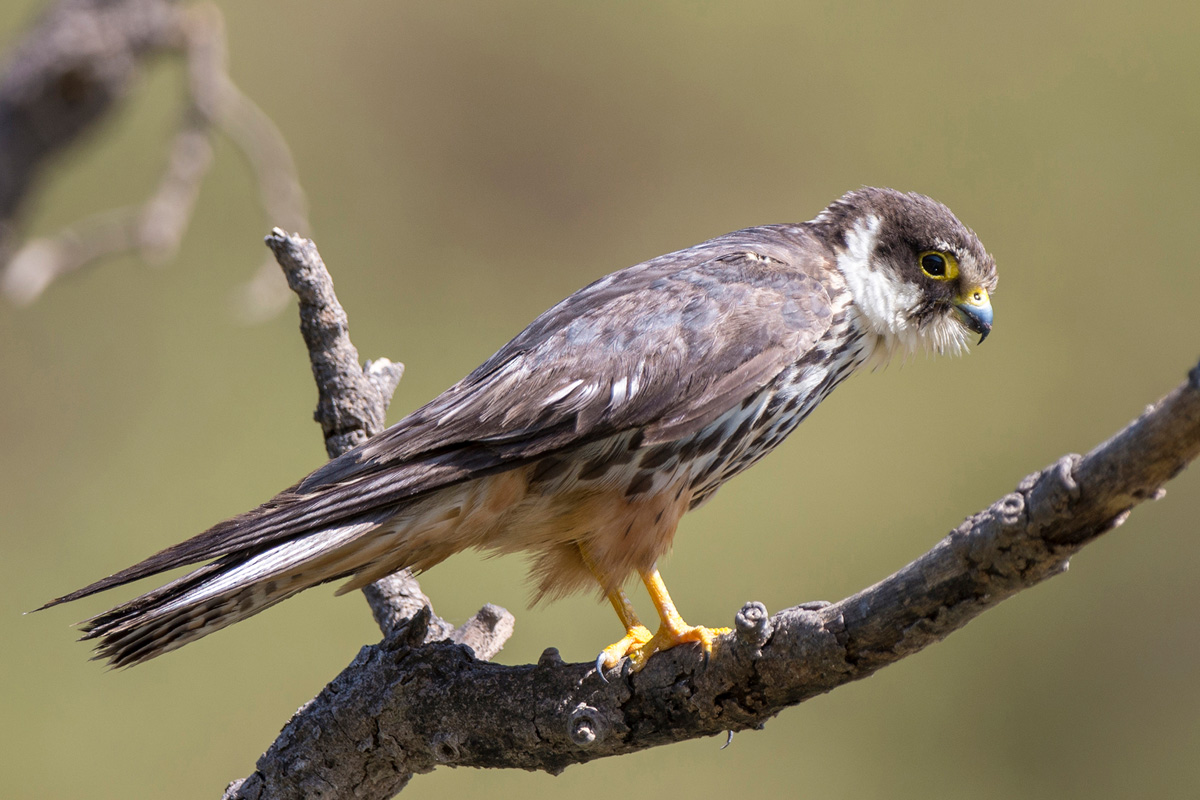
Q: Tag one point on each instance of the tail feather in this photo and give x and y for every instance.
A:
(274, 552)
(223, 592)
(220, 540)
(126, 640)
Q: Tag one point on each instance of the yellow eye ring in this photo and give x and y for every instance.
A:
(939, 265)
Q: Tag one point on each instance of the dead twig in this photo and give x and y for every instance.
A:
(351, 408)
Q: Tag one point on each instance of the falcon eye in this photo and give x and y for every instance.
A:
(939, 265)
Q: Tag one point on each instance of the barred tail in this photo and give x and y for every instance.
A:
(228, 590)
(279, 550)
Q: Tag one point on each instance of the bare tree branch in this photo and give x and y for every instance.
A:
(69, 71)
(351, 408)
(415, 701)
(418, 699)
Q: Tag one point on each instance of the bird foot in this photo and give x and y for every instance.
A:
(638, 649)
(635, 639)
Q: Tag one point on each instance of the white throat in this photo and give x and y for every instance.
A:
(886, 303)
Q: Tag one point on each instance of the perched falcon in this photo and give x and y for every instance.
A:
(586, 438)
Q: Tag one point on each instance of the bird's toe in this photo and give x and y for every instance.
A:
(634, 640)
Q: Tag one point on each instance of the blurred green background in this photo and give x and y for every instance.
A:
(469, 164)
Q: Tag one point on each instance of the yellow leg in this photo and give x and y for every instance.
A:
(624, 608)
(636, 634)
(635, 638)
(672, 630)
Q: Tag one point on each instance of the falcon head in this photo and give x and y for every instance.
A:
(920, 278)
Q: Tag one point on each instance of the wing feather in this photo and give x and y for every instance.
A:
(665, 347)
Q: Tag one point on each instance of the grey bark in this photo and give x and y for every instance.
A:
(351, 408)
(417, 700)
(352, 399)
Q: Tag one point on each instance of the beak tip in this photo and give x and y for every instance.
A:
(977, 318)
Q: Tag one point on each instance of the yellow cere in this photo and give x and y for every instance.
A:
(978, 296)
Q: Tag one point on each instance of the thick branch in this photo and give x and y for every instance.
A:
(403, 707)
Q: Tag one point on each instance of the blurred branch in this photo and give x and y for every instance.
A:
(66, 74)
(414, 702)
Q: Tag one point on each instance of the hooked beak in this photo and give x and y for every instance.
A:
(975, 310)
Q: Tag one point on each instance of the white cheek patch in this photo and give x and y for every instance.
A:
(881, 298)
(886, 303)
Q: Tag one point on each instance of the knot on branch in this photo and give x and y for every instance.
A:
(1053, 491)
(753, 626)
(445, 748)
(586, 726)
(550, 658)
(413, 632)
(1011, 509)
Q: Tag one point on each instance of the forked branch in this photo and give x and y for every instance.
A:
(412, 702)
(351, 408)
